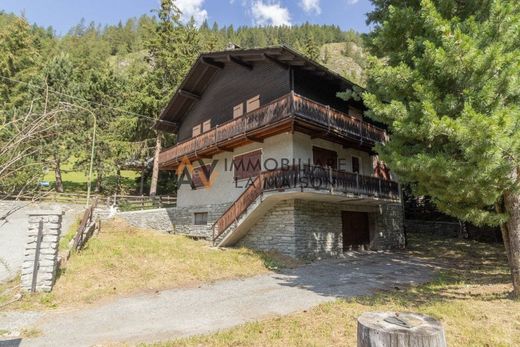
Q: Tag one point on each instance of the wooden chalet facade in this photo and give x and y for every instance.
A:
(275, 159)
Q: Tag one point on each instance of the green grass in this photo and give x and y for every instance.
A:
(123, 260)
(470, 295)
(77, 181)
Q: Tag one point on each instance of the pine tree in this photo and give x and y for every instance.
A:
(449, 90)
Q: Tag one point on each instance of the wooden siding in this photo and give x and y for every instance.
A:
(288, 110)
(231, 86)
(322, 90)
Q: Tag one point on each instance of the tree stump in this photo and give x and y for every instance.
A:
(391, 329)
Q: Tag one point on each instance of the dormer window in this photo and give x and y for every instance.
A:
(253, 104)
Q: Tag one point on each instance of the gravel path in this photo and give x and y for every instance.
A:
(183, 312)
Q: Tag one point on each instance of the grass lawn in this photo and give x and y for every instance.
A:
(470, 296)
(76, 181)
(123, 260)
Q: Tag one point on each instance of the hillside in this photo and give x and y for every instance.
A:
(344, 61)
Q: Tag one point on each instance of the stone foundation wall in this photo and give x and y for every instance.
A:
(274, 231)
(389, 227)
(177, 220)
(313, 229)
(318, 229)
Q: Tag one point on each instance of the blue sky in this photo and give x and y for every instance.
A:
(63, 14)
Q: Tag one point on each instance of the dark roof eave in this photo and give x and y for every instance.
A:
(238, 53)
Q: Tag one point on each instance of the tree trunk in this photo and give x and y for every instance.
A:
(99, 181)
(141, 184)
(390, 329)
(57, 175)
(511, 235)
(155, 172)
(118, 180)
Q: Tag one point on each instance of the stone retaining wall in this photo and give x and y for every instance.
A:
(177, 220)
(450, 229)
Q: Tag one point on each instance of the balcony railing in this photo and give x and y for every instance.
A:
(282, 108)
(304, 178)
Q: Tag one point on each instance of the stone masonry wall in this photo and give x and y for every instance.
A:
(47, 259)
(313, 229)
(177, 220)
(389, 227)
(274, 231)
(318, 229)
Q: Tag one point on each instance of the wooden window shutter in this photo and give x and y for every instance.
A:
(253, 103)
(355, 165)
(198, 172)
(206, 126)
(324, 157)
(196, 130)
(238, 110)
(247, 165)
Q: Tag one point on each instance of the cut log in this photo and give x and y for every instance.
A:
(391, 329)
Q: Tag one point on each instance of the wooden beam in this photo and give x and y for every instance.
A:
(225, 149)
(189, 94)
(254, 139)
(240, 62)
(276, 61)
(212, 63)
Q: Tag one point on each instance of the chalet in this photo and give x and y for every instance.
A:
(270, 158)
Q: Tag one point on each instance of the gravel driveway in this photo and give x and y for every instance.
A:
(183, 312)
(13, 232)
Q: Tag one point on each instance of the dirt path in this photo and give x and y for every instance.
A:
(177, 313)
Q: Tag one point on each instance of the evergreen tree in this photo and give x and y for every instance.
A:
(448, 88)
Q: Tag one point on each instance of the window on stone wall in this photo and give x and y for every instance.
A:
(200, 218)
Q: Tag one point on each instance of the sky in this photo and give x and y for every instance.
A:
(63, 14)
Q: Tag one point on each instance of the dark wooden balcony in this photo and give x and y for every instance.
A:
(307, 178)
(288, 113)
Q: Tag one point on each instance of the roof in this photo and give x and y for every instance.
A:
(208, 64)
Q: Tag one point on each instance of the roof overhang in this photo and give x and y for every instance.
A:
(208, 65)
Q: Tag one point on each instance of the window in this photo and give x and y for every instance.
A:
(196, 130)
(253, 103)
(206, 125)
(247, 165)
(324, 157)
(200, 218)
(238, 110)
(356, 167)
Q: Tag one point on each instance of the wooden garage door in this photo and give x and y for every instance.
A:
(355, 229)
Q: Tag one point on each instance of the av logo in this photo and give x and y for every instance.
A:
(203, 175)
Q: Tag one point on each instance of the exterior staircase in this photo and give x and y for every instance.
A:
(269, 187)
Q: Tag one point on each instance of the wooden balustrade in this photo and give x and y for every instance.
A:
(275, 111)
(306, 177)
